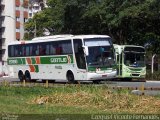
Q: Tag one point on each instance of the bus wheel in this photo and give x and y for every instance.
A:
(70, 77)
(27, 76)
(20, 76)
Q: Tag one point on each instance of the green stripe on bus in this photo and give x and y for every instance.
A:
(23, 60)
(16, 61)
(43, 60)
(33, 60)
(36, 68)
(55, 60)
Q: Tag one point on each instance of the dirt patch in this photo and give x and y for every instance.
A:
(105, 101)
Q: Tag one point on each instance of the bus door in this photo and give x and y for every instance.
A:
(80, 59)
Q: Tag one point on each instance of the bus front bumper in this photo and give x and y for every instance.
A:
(102, 75)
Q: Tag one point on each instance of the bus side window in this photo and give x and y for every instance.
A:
(66, 47)
(16, 51)
(47, 49)
(11, 51)
(27, 50)
(23, 51)
(20, 51)
(42, 50)
(52, 49)
(34, 50)
(37, 50)
(58, 50)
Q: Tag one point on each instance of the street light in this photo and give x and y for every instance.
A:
(9, 16)
(13, 19)
(152, 65)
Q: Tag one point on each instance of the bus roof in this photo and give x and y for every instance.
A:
(123, 46)
(90, 36)
(68, 36)
(120, 48)
(59, 37)
(52, 37)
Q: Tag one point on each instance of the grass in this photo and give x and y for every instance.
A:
(74, 99)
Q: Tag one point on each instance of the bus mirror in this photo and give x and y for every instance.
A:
(85, 49)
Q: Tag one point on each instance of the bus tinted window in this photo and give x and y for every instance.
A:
(136, 49)
(66, 47)
(41, 49)
(61, 47)
(11, 51)
(34, 49)
(47, 48)
(79, 54)
(23, 51)
(52, 49)
(27, 50)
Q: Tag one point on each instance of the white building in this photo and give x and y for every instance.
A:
(35, 6)
(13, 14)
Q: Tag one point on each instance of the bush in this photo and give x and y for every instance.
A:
(154, 76)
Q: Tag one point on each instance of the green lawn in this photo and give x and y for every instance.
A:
(74, 99)
(19, 100)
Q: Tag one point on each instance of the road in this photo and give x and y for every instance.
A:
(114, 84)
(147, 84)
(154, 85)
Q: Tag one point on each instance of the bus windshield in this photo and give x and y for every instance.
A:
(134, 57)
(101, 52)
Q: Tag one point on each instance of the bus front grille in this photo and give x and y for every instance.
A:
(135, 75)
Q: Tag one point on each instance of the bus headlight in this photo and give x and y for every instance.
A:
(143, 71)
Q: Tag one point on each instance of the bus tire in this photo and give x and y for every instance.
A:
(20, 76)
(70, 77)
(27, 76)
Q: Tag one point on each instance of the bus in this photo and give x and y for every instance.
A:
(130, 60)
(63, 57)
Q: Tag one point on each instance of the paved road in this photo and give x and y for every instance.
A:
(153, 84)
(132, 84)
(148, 84)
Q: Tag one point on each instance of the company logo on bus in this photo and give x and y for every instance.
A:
(13, 62)
(59, 60)
(64, 59)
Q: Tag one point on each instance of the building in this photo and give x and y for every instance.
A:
(35, 6)
(13, 14)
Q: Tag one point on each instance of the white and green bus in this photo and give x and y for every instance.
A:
(63, 57)
(130, 60)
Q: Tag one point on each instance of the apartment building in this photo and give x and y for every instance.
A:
(35, 6)
(13, 14)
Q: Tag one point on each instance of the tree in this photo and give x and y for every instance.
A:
(126, 21)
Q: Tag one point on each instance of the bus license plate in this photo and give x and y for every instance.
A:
(104, 75)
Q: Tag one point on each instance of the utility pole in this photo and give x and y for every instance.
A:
(35, 29)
